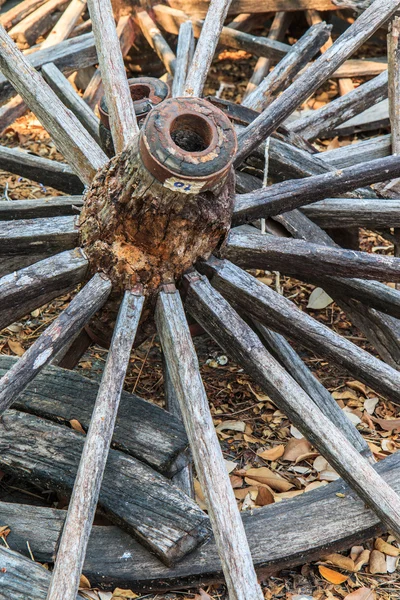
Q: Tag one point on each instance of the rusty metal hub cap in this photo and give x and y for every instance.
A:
(187, 144)
(166, 201)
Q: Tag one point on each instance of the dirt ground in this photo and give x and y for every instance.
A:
(252, 432)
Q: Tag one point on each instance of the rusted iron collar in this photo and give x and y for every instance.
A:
(187, 144)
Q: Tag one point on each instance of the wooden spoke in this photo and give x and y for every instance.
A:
(119, 102)
(133, 495)
(227, 525)
(142, 430)
(56, 206)
(68, 96)
(183, 478)
(199, 8)
(277, 33)
(11, 111)
(156, 40)
(326, 118)
(69, 56)
(170, 19)
(286, 196)
(65, 23)
(281, 315)
(71, 138)
(184, 56)
(37, 235)
(283, 352)
(19, 12)
(48, 172)
(78, 523)
(359, 152)
(205, 48)
(27, 289)
(63, 329)
(94, 91)
(366, 24)
(238, 339)
(249, 249)
(365, 212)
(287, 69)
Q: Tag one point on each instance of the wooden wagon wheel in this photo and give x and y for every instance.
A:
(162, 213)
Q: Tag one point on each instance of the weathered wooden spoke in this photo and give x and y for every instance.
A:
(57, 206)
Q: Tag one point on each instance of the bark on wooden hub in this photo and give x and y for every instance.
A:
(164, 202)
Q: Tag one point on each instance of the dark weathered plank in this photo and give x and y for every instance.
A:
(142, 430)
(51, 206)
(225, 518)
(135, 496)
(37, 235)
(45, 171)
(365, 212)
(316, 123)
(366, 24)
(362, 151)
(71, 552)
(281, 315)
(297, 258)
(63, 329)
(69, 56)
(287, 195)
(27, 289)
(277, 345)
(281, 535)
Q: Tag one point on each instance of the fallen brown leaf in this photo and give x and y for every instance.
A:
(295, 448)
(386, 548)
(265, 475)
(388, 424)
(16, 347)
(264, 497)
(332, 576)
(338, 560)
(84, 583)
(377, 563)
(361, 594)
(77, 426)
(272, 453)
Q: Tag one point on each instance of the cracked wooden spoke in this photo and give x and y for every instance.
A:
(184, 56)
(119, 102)
(180, 355)
(63, 329)
(69, 135)
(78, 523)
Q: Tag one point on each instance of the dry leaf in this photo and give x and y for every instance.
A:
(391, 563)
(4, 531)
(314, 485)
(119, 593)
(202, 595)
(272, 453)
(361, 594)
(236, 482)
(230, 465)
(362, 559)
(319, 299)
(199, 495)
(320, 464)
(377, 563)
(386, 548)
(84, 583)
(264, 496)
(231, 425)
(295, 448)
(388, 446)
(288, 495)
(295, 432)
(359, 387)
(77, 426)
(265, 475)
(243, 492)
(16, 348)
(356, 551)
(338, 560)
(388, 424)
(331, 575)
(328, 475)
(370, 405)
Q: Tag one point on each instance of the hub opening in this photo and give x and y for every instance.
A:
(191, 133)
(139, 91)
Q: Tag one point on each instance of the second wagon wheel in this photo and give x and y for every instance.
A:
(160, 231)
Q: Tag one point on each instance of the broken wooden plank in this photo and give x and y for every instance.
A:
(225, 518)
(32, 287)
(119, 102)
(71, 138)
(47, 172)
(63, 329)
(206, 46)
(37, 23)
(133, 495)
(67, 571)
(65, 24)
(286, 70)
(281, 315)
(51, 206)
(156, 40)
(298, 258)
(262, 127)
(142, 430)
(19, 12)
(68, 96)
